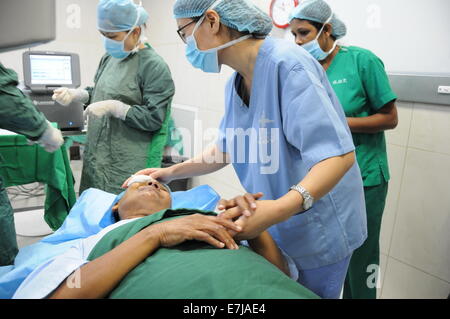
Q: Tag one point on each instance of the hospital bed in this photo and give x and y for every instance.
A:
(93, 212)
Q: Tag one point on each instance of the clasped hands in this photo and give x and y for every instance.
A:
(249, 213)
(241, 218)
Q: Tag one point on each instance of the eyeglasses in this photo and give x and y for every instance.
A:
(180, 30)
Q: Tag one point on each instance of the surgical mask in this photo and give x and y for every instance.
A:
(314, 48)
(117, 48)
(207, 60)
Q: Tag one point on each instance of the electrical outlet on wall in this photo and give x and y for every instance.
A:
(444, 89)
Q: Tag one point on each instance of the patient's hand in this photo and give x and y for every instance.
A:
(263, 217)
(246, 205)
(209, 229)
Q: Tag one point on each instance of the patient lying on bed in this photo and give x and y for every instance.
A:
(155, 252)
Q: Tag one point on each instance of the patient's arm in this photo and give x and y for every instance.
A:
(100, 276)
(265, 246)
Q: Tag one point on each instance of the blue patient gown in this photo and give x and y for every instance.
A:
(293, 122)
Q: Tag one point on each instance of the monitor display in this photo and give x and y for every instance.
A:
(51, 69)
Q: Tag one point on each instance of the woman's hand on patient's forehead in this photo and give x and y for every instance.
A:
(160, 174)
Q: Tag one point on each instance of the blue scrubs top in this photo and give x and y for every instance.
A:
(293, 122)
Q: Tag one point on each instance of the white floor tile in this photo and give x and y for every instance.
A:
(31, 224)
(27, 241)
(405, 282)
(421, 233)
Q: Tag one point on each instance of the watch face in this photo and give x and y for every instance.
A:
(280, 11)
(307, 204)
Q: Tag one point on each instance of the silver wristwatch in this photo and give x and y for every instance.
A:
(308, 200)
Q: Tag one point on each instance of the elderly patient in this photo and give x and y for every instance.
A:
(155, 252)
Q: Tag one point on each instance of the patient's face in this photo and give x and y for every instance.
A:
(143, 199)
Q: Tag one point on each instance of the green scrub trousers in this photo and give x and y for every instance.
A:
(17, 114)
(8, 243)
(364, 269)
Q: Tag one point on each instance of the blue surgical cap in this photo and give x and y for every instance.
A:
(240, 15)
(319, 11)
(119, 15)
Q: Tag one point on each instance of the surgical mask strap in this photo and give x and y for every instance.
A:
(332, 49)
(135, 49)
(229, 44)
(323, 26)
(197, 25)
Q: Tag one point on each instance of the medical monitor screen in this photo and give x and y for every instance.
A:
(51, 69)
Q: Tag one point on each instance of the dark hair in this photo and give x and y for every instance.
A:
(116, 216)
(236, 34)
(318, 26)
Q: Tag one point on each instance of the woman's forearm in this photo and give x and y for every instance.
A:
(320, 180)
(210, 161)
(100, 276)
(371, 124)
(385, 119)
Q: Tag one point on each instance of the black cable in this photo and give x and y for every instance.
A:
(27, 192)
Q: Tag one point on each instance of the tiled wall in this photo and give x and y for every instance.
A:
(415, 241)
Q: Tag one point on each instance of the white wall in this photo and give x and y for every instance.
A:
(410, 36)
(75, 32)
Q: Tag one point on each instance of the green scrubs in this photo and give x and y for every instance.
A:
(362, 86)
(196, 270)
(116, 149)
(52, 169)
(17, 114)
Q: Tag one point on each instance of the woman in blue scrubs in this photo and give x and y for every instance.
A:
(286, 135)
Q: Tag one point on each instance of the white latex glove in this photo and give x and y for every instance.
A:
(113, 108)
(51, 140)
(65, 96)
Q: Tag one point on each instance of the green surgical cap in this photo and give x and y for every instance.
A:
(240, 15)
(119, 15)
(319, 11)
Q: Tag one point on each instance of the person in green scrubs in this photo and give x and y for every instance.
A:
(362, 86)
(18, 114)
(129, 106)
